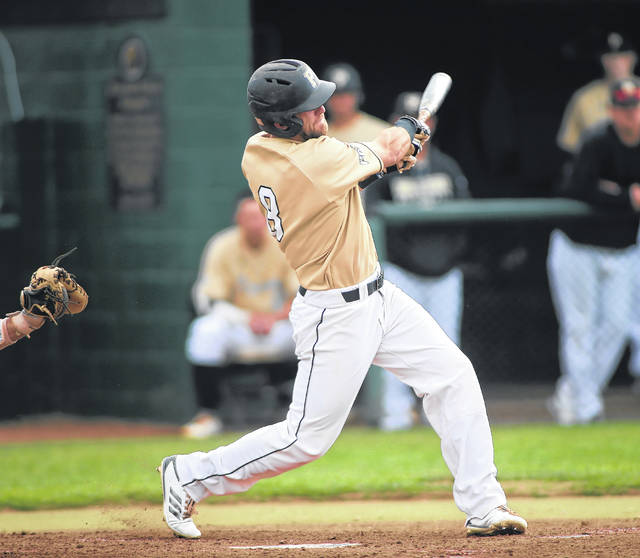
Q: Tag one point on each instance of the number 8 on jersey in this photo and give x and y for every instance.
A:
(269, 202)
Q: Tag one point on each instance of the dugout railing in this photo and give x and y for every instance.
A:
(509, 326)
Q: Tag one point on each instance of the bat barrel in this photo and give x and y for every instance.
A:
(435, 93)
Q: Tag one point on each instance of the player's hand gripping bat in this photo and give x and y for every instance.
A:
(432, 98)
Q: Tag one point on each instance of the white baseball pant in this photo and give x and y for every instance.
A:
(634, 360)
(223, 336)
(592, 290)
(442, 297)
(336, 342)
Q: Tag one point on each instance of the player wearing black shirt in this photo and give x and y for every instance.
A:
(592, 266)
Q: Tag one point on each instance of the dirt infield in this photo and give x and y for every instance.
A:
(445, 539)
(63, 427)
(135, 535)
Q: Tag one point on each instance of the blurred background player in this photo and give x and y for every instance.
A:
(242, 298)
(589, 104)
(421, 261)
(592, 268)
(587, 107)
(347, 122)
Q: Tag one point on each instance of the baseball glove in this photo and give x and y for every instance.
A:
(53, 292)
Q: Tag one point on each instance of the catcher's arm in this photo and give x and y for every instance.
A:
(18, 325)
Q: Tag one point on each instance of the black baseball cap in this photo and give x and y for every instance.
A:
(345, 76)
(616, 43)
(625, 92)
(407, 102)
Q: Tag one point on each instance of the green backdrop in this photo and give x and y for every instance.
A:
(124, 355)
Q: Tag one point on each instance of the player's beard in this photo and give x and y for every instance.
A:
(319, 130)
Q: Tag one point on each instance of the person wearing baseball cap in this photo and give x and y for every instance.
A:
(625, 93)
(345, 315)
(347, 121)
(422, 261)
(593, 268)
(588, 105)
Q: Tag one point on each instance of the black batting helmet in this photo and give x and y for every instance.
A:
(280, 89)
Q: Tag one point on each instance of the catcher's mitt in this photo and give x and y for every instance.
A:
(53, 292)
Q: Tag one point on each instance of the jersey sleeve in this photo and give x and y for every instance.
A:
(337, 167)
(214, 281)
(569, 132)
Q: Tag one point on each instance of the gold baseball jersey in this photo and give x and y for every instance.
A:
(587, 107)
(363, 128)
(309, 193)
(257, 280)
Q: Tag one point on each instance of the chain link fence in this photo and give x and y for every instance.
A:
(510, 324)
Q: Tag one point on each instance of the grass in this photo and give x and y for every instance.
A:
(587, 460)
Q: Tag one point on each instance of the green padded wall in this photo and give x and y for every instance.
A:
(123, 356)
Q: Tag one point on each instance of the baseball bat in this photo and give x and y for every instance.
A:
(431, 100)
(434, 94)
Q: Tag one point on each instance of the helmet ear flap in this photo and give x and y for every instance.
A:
(293, 126)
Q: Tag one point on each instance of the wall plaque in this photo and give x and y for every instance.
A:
(135, 131)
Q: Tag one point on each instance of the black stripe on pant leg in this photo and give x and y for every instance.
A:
(304, 409)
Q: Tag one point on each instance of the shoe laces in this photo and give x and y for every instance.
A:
(189, 508)
(507, 509)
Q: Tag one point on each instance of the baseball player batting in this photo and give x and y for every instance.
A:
(345, 316)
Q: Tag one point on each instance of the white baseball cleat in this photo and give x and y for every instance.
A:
(499, 521)
(177, 504)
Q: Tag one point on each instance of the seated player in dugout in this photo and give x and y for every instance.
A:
(241, 298)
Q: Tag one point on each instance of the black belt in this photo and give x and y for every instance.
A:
(354, 294)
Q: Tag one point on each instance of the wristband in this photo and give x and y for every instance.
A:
(408, 123)
(26, 323)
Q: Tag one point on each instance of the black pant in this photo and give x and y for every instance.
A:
(209, 380)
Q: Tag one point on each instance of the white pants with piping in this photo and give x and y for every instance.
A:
(336, 342)
(442, 297)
